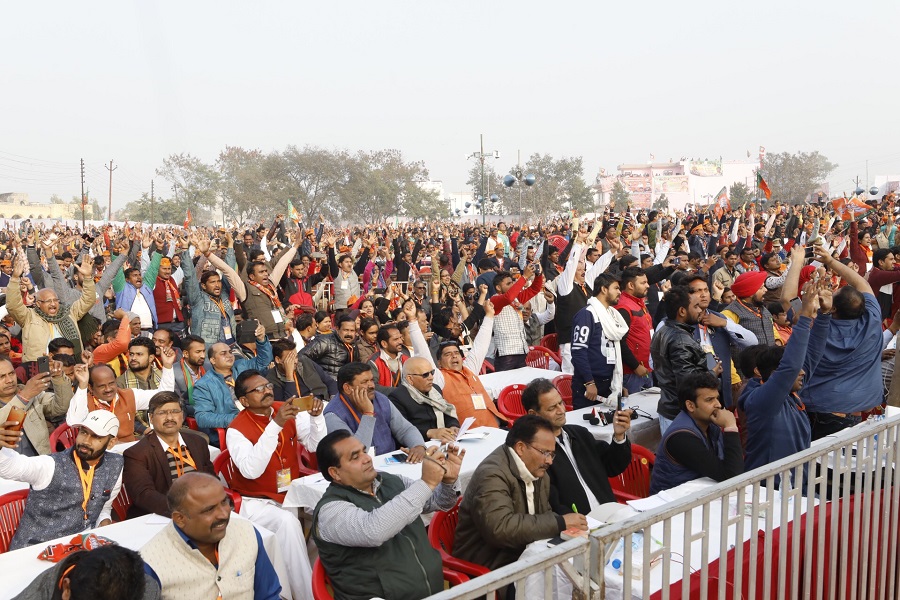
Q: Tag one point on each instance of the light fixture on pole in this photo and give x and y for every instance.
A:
(510, 179)
(481, 156)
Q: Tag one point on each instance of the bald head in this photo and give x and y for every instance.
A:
(414, 370)
(47, 301)
(188, 485)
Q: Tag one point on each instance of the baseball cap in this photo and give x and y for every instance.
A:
(101, 422)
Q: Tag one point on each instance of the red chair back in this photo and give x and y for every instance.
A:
(441, 532)
(308, 463)
(223, 466)
(191, 422)
(12, 505)
(634, 482)
(121, 504)
(486, 367)
(539, 357)
(509, 402)
(321, 584)
(563, 384)
(220, 431)
(558, 241)
(62, 438)
(550, 341)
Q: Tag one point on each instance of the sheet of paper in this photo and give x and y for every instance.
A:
(645, 504)
(464, 427)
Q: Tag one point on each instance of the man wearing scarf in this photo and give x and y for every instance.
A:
(49, 318)
(597, 334)
(168, 300)
(421, 402)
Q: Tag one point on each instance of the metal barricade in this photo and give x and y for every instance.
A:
(822, 523)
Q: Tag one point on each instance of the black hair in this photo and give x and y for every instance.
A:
(485, 264)
(161, 398)
(688, 278)
(532, 393)
(525, 428)
(190, 339)
(366, 323)
(765, 258)
(110, 327)
(775, 308)
(143, 342)
(678, 297)
(304, 321)
(240, 384)
(879, 255)
(691, 382)
(767, 360)
(325, 453)
(57, 343)
(320, 316)
(629, 275)
(603, 280)
(207, 275)
(730, 253)
(349, 372)
(279, 347)
(446, 344)
(129, 271)
(67, 360)
(384, 333)
(848, 303)
(110, 572)
(344, 318)
(746, 360)
(500, 276)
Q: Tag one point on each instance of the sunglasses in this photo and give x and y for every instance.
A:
(424, 375)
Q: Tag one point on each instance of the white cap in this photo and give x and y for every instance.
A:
(101, 422)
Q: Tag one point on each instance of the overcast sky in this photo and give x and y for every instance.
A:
(135, 81)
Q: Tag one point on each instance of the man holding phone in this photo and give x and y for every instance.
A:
(262, 441)
(30, 405)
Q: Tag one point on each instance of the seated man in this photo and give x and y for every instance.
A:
(579, 476)
(142, 374)
(45, 396)
(262, 440)
(297, 375)
(367, 526)
(369, 415)
(390, 358)
(703, 439)
(334, 350)
(214, 400)
(507, 502)
(189, 370)
(421, 403)
(162, 456)
(203, 551)
(106, 395)
(70, 491)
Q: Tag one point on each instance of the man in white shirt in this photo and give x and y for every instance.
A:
(71, 491)
(262, 440)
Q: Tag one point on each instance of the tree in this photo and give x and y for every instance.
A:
(195, 186)
(620, 198)
(661, 203)
(493, 185)
(792, 177)
(311, 178)
(556, 182)
(163, 211)
(54, 199)
(243, 186)
(740, 193)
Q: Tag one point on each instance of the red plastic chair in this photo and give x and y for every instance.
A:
(121, 505)
(563, 384)
(12, 505)
(62, 438)
(191, 422)
(220, 431)
(634, 481)
(539, 357)
(509, 402)
(558, 241)
(224, 468)
(550, 342)
(308, 463)
(486, 367)
(441, 533)
(322, 590)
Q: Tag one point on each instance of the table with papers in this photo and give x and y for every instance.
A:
(644, 430)
(495, 382)
(21, 567)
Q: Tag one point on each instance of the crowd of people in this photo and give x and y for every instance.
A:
(292, 345)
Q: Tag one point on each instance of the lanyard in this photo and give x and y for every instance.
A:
(180, 459)
(349, 350)
(87, 481)
(103, 405)
(352, 412)
(189, 380)
(220, 305)
(269, 293)
(280, 445)
(799, 404)
(757, 313)
(297, 382)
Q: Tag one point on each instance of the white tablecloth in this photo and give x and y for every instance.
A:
(20, 567)
(495, 382)
(306, 492)
(642, 429)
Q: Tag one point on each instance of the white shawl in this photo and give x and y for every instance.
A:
(614, 328)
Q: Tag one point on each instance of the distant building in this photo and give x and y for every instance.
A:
(683, 182)
(16, 205)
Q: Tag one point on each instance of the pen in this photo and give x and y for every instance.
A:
(574, 508)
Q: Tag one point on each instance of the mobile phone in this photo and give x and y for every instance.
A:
(43, 364)
(16, 414)
(711, 361)
(304, 403)
(677, 261)
(620, 405)
(246, 331)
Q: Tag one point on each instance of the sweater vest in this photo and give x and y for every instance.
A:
(667, 473)
(251, 427)
(759, 323)
(382, 437)
(566, 308)
(55, 511)
(124, 409)
(340, 293)
(167, 311)
(459, 386)
(638, 338)
(405, 567)
(386, 377)
(185, 573)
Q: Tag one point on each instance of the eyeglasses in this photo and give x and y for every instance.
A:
(261, 388)
(424, 375)
(50, 301)
(168, 413)
(547, 453)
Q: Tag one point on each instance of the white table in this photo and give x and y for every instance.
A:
(306, 492)
(495, 382)
(21, 567)
(644, 431)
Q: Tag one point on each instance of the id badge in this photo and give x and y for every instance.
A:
(345, 285)
(226, 332)
(478, 402)
(276, 316)
(610, 353)
(283, 479)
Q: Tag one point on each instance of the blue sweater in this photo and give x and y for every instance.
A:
(776, 425)
(848, 377)
(588, 343)
(213, 406)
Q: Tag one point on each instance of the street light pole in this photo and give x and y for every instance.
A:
(481, 156)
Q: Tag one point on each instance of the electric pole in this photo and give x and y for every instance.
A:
(83, 199)
(110, 168)
(152, 199)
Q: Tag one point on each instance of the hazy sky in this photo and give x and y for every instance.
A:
(612, 82)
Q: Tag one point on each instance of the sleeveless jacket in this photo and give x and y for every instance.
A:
(458, 389)
(124, 408)
(382, 438)
(638, 338)
(667, 473)
(55, 511)
(251, 427)
(405, 567)
(759, 323)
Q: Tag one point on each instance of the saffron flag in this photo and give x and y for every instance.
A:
(850, 209)
(761, 184)
(293, 215)
(723, 204)
(188, 219)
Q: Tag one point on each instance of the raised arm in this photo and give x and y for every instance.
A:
(843, 271)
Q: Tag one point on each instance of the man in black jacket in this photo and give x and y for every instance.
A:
(292, 370)
(579, 475)
(422, 404)
(333, 351)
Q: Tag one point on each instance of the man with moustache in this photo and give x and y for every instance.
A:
(69, 491)
(162, 456)
(168, 299)
(749, 310)
(142, 374)
(189, 370)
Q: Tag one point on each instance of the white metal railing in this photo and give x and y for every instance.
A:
(822, 523)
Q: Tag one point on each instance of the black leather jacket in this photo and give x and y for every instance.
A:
(329, 352)
(675, 353)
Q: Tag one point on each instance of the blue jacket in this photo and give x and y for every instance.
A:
(590, 363)
(776, 424)
(213, 406)
(125, 299)
(667, 472)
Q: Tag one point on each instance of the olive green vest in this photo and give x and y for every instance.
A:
(405, 567)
